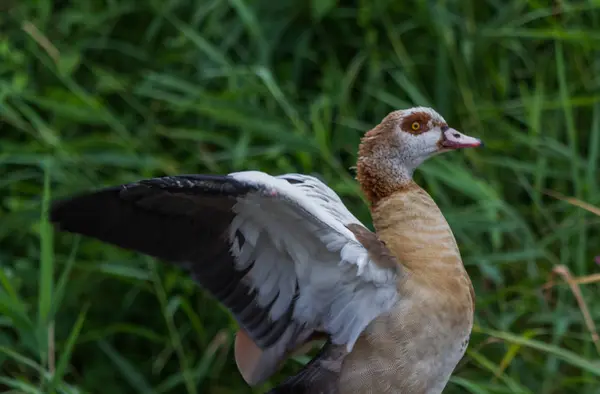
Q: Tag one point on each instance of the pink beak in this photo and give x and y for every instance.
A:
(453, 139)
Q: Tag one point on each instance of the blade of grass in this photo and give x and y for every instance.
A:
(567, 356)
(166, 307)
(67, 351)
(46, 279)
(127, 370)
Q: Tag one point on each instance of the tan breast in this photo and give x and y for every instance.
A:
(415, 230)
(414, 348)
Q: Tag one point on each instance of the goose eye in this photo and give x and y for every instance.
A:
(415, 126)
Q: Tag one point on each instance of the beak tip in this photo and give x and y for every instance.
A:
(453, 139)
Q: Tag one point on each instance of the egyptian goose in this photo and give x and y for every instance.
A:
(292, 264)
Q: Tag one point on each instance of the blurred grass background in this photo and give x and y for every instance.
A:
(99, 92)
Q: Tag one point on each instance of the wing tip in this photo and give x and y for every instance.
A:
(78, 213)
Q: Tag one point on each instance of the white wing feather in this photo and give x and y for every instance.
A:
(296, 232)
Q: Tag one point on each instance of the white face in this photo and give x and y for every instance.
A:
(415, 149)
(421, 133)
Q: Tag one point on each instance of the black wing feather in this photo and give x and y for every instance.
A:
(317, 377)
(183, 220)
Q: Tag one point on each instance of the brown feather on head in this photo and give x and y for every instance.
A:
(420, 122)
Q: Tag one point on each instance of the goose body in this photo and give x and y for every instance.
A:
(292, 264)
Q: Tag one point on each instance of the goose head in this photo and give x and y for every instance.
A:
(389, 153)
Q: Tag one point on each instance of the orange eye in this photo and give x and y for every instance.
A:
(415, 126)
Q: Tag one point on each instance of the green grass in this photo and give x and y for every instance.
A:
(96, 93)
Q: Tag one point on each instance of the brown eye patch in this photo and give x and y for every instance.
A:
(416, 123)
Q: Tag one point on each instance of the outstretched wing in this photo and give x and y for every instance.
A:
(283, 253)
